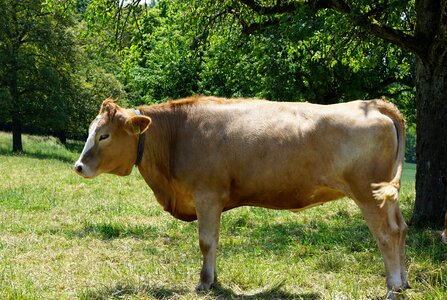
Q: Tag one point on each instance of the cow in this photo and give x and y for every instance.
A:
(202, 156)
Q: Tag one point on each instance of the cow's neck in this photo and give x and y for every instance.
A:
(156, 164)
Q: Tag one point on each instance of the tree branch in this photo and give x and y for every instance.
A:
(365, 21)
(255, 27)
(390, 94)
(375, 91)
(388, 34)
(338, 5)
(279, 8)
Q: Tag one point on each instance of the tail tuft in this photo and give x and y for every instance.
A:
(385, 191)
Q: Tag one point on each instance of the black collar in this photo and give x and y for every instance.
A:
(140, 150)
(141, 139)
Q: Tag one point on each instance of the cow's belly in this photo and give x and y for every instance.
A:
(176, 200)
(177, 207)
(293, 199)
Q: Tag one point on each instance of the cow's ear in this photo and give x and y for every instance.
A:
(138, 124)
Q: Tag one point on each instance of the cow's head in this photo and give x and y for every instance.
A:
(112, 141)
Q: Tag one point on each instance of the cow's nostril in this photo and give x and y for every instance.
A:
(78, 168)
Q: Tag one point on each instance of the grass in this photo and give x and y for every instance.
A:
(64, 237)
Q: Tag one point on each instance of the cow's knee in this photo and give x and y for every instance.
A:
(391, 236)
(394, 227)
(403, 230)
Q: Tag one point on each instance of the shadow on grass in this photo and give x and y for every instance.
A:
(351, 235)
(123, 291)
(109, 231)
(67, 158)
(274, 292)
(74, 146)
(38, 155)
(120, 291)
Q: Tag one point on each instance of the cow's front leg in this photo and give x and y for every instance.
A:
(209, 209)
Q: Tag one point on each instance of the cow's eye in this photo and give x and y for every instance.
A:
(103, 136)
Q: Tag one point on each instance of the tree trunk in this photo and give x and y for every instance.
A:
(431, 119)
(16, 135)
(15, 110)
(62, 136)
(431, 146)
(16, 106)
(13, 82)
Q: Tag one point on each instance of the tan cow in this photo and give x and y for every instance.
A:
(203, 155)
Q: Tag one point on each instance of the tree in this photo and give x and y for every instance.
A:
(176, 48)
(35, 51)
(94, 77)
(53, 73)
(294, 63)
(393, 22)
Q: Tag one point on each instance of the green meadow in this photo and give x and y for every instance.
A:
(65, 237)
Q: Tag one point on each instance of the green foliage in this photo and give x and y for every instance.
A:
(410, 147)
(161, 63)
(48, 82)
(37, 53)
(182, 48)
(88, 50)
(299, 61)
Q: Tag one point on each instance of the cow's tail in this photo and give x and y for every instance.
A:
(389, 191)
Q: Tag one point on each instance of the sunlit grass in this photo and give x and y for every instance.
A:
(64, 237)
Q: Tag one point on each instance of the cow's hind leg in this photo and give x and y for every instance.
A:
(389, 229)
(209, 210)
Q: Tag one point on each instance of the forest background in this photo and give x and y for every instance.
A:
(62, 58)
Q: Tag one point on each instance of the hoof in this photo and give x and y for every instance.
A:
(203, 287)
(406, 286)
(390, 295)
(394, 295)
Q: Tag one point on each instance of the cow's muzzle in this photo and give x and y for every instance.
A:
(78, 168)
(83, 170)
